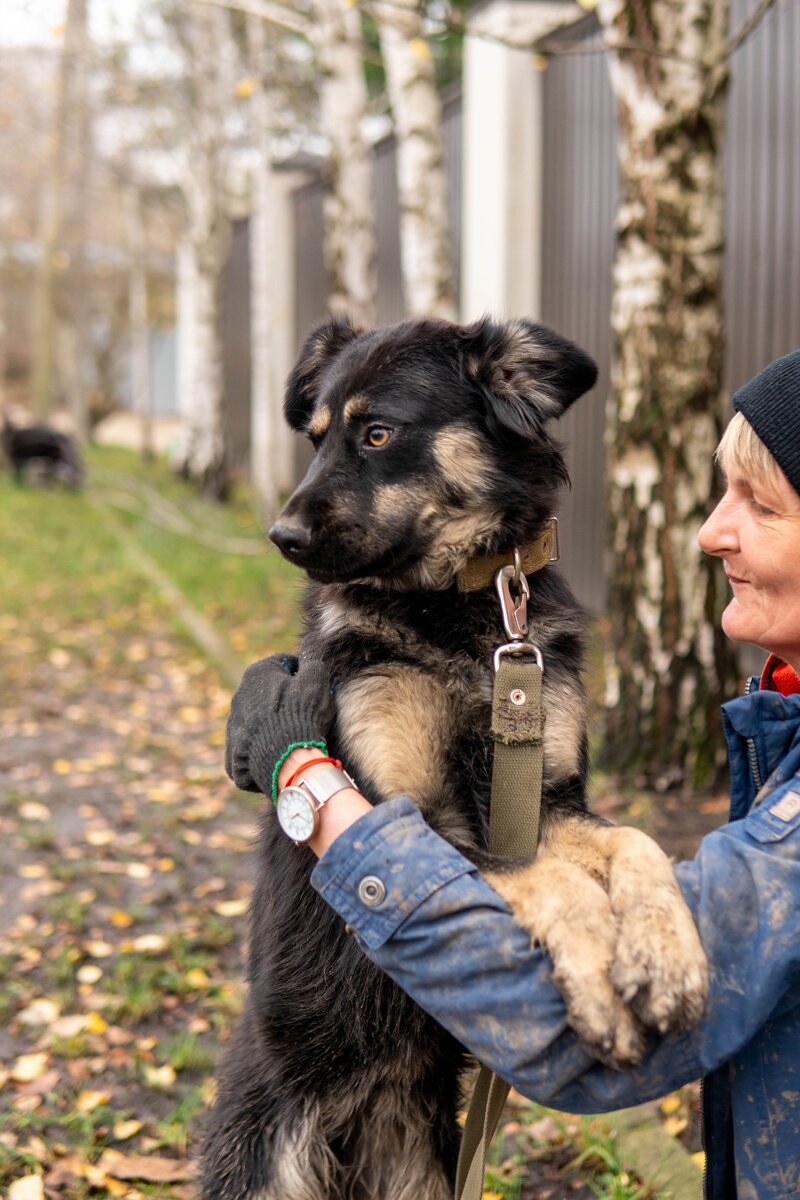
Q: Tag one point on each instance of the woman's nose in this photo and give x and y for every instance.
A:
(718, 533)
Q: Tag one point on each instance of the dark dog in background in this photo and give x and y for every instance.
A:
(432, 454)
(43, 449)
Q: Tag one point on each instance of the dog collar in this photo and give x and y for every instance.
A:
(543, 549)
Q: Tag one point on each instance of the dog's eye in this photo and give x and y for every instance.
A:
(378, 436)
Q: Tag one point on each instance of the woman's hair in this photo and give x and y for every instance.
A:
(742, 451)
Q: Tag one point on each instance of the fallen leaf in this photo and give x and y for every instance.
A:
(39, 1086)
(89, 973)
(29, 1066)
(150, 943)
(98, 949)
(699, 1159)
(39, 1012)
(149, 1168)
(670, 1105)
(196, 978)
(96, 1024)
(231, 908)
(29, 1187)
(126, 1129)
(675, 1125)
(159, 1077)
(88, 1100)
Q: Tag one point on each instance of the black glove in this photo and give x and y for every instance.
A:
(279, 705)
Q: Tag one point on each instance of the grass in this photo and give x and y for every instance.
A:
(61, 554)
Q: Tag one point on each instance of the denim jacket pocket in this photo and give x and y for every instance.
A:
(777, 817)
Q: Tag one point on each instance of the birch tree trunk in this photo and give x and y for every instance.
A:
(265, 410)
(207, 42)
(349, 214)
(139, 326)
(425, 247)
(45, 320)
(671, 666)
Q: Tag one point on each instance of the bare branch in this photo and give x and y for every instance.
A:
(745, 29)
(275, 14)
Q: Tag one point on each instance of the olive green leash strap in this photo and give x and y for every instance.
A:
(513, 833)
(518, 756)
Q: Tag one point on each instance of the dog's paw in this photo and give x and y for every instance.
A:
(568, 912)
(660, 967)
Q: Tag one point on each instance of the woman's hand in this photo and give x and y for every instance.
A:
(281, 703)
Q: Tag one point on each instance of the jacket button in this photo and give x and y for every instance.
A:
(371, 891)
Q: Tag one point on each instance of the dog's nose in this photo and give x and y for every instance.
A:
(290, 539)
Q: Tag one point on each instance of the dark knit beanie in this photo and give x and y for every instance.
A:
(770, 403)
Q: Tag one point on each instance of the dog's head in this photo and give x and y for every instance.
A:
(431, 446)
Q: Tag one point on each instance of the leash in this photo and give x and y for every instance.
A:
(515, 800)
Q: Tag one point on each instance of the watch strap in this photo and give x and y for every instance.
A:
(326, 783)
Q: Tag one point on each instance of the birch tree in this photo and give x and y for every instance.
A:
(349, 243)
(425, 247)
(69, 115)
(266, 421)
(203, 32)
(671, 667)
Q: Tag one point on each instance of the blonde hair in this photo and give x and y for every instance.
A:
(742, 452)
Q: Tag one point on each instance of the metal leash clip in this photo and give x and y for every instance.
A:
(514, 612)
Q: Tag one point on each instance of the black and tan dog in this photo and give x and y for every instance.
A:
(51, 452)
(432, 455)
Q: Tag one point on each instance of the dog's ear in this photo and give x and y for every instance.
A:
(528, 372)
(321, 346)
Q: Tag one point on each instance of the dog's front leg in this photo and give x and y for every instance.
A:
(660, 966)
(565, 909)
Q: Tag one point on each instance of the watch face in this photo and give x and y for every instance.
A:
(297, 814)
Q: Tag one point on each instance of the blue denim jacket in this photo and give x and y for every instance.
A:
(448, 939)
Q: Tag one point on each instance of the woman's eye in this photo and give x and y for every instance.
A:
(378, 436)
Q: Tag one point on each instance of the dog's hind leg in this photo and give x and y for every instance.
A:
(392, 1150)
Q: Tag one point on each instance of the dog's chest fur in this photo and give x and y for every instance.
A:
(413, 680)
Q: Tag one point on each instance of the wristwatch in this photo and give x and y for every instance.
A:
(298, 806)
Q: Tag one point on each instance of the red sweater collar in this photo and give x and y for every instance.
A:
(778, 676)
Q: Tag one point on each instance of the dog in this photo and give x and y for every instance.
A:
(48, 450)
(432, 454)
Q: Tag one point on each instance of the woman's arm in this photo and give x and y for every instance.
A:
(448, 940)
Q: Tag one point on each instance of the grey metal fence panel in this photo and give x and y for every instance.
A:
(578, 202)
(762, 183)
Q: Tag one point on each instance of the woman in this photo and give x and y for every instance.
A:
(444, 936)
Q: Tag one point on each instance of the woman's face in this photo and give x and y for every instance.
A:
(755, 530)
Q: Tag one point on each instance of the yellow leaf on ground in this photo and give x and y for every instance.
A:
(675, 1125)
(147, 1167)
(98, 949)
(159, 1077)
(39, 1012)
(670, 1105)
(89, 973)
(96, 1024)
(29, 1187)
(138, 870)
(245, 88)
(88, 1100)
(120, 919)
(699, 1159)
(33, 871)
(62, 766)
(150, 943)
(29, 1067)
(126, 1129)
(196, 978)
(231, 908)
